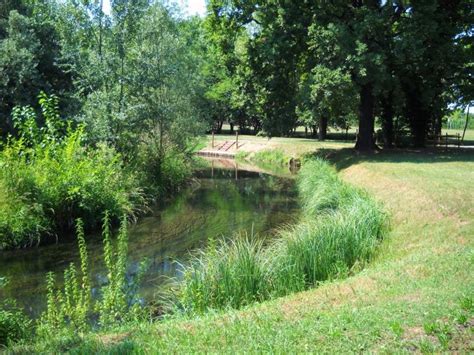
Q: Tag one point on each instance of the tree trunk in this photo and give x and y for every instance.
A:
(418, 118)
(101, 14)
(387, 121)
(231, 127)
(438, 124)
(219, 126)
(323, 128)
(365, 139)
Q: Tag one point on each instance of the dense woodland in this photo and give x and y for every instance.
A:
(266, 66)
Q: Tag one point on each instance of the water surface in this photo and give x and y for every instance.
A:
(224, 199)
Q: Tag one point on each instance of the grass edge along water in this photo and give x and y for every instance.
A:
(338, 233)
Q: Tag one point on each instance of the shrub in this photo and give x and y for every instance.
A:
(50, 178)
(20, 221)
(271, 157)
(14, 325)
(162, 168)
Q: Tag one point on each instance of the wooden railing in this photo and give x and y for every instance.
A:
(445, 140)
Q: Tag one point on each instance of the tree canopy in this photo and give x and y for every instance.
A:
(266, 66)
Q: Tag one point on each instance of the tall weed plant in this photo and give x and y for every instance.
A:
(338, 233)
(72, 309)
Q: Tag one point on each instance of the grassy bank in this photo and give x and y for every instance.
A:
(341, 227)
(416, 295)
(338, 234)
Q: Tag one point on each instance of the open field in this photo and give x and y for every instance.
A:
(417, 295)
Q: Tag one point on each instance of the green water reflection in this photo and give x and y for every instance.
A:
(222, 201)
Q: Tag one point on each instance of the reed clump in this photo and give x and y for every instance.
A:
(339, 231)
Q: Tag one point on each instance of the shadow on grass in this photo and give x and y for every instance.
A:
(344, 158)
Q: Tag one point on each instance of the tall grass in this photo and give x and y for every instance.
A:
(339, 231)
(275, 157)
(226, 274)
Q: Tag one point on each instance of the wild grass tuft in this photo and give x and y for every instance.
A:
(226, 274)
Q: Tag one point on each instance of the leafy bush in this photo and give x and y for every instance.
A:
(14, 325)
(50, 178)
(340, 229)
(162, 169)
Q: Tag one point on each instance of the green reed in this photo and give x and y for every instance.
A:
(338, 233)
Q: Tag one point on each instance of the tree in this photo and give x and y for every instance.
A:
(19, 75)
(433, 60)
(330, 99)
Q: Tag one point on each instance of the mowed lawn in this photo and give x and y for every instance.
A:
(416, 295)
(296, 147)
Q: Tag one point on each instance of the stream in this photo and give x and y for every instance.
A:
(225, 199)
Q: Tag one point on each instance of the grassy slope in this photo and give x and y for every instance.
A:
(407, 299)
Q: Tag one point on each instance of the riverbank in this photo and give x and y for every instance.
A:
(415, 296)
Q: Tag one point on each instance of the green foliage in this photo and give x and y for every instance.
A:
(146, 86)
(112, 307)
(50, 179)
(457, 120)
(14, 325)
(162, 169)
(338, 233)
(226, 274)
(241, 155)
(273, 157)
(326, 94)
(30, 57)
(72, 309)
